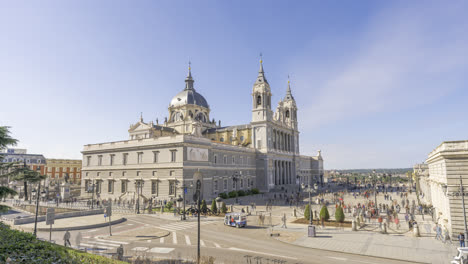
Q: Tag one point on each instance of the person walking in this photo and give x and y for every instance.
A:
(461, 238)
(66, 238)
(284, 221)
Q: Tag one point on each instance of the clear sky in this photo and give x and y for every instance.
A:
(377, 83)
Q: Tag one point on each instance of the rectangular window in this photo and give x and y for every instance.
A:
(172, 173)
(99, 160)
(248, 182)
(140, 157)
(112, 156)
(124, 186)
(110, 174)
(98, 186)
(241, 161)
(155, 173)
(110, 186)
(225, 159)
(215, 159)
(124, 173)
(233, 184)
(173, 155)
(98, 174)
(88, 160)
(225, 183)
(241, 183)
(155, 156)
(154, 188)
(215, 185)
(87, 174)
(233, 160)
(88, 185)
(125, 158)
(138, 173)
(172, 190)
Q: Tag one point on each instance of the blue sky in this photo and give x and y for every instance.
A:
(377, 83)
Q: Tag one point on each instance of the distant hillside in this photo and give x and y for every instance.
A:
(366, 171)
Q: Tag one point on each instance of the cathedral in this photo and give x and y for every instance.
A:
(158, 160)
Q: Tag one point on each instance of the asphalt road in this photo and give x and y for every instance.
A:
(140, 236)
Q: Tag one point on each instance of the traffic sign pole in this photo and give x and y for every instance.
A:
(109, 213)
(50, 217)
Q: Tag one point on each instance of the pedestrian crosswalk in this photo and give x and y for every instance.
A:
(182, 225)
(97, 243)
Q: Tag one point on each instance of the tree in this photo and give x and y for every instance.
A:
(203, 206)
(307, 212)
(223, 208)
(324, 215)
(214, 209)
(5, 141)
(339, 215)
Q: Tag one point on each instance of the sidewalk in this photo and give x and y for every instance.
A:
(401, 246)
(75, 223)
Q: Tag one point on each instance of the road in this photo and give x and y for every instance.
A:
(139, 236)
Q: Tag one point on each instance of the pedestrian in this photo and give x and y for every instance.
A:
(284, 221)
(120, 252)
(461, 238)
(66, 238)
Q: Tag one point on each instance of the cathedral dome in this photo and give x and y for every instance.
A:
(189, 96)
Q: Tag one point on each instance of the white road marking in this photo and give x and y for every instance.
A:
(262, 253)
(149, 240)
(129, 224)
(94, 230)
(187, 240)
(216, 245)
(86, 237)
(95, 246)
(140, 249)
(161, 240)
(338, 258)
(202, 243)
(112, 241)
(105, 244)
(161, 250)
(174, 237)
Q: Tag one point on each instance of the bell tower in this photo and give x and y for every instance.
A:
(261, 98)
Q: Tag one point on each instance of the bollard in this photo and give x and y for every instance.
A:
(353, 225)
(361, 217)
(384, 228)
(247, 210)
(294, 213)
(231, 208)
(416, 230)
(358, 222)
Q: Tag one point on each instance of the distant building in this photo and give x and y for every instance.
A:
(57, 169)
(446, 164)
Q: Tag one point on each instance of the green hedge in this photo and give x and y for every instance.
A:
(23, 247)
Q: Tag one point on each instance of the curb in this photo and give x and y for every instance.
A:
(118, 221)
(352, 253)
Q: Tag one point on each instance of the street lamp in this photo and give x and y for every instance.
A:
(37, 201)
(235, 178)
(304, 187)
(198, 177)
(139, 188)
(90, 189)
(184, 190)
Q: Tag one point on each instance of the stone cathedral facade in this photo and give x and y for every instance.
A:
(162, 157)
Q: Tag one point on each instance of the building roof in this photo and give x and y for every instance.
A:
(189, 95)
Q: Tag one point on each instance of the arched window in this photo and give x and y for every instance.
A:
(221, 139)
(201, 117)
(259, 100)
(287, 113)
(177, 117)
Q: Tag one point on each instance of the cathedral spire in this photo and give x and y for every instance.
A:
(189, 80)
(261, 74)
(288, 91)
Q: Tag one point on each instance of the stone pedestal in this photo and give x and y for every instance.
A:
(65, 191)
(354, 228)
(384, 228)
(358, 222)
(416, 230)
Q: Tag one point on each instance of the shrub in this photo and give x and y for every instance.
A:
(232, 194)
(307, 212)
(248, 192)
(240, 193)
(169, 206)
(324, 213)
(223, 208)
(223, 195)
(255, 191)
(23, 247)
(339, 215)
(203, 206)
(214, 209)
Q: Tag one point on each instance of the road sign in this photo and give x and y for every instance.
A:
(109, 210)
(50, 216)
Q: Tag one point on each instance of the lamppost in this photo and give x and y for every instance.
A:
(235, 178)
(374, 181)
(198, 177)
(90, 189)
(139, 188)
(463, 204)
(219, 203)
(37, 202)
(184, 189)
(304, 187)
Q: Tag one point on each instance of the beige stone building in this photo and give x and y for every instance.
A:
(163, 157)
(446, 164)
